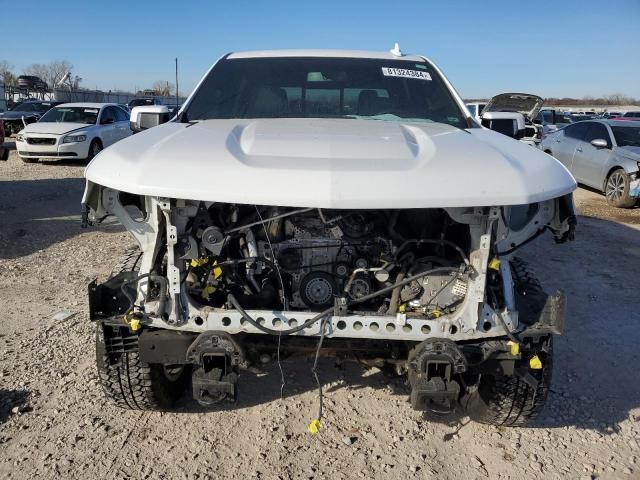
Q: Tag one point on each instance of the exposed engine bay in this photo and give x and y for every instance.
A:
(401, 274)
(305, 260)
(387, 286)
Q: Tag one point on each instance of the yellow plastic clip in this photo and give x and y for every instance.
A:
(135, 325)
(133, 322)
(436, 313)
(198, 262)
(314, 427)
(514, 348)
(402, 308)
(535, 363)
(494, 264)
(217, 271)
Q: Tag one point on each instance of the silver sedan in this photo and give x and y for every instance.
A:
(602, 154)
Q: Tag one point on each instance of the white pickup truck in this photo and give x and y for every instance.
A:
(513, 114)
(313, 202)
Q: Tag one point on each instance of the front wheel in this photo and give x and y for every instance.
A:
(511, 401)
(617, 189)
(127, 381)
(94, 149)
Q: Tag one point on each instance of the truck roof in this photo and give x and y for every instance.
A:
(325, 53)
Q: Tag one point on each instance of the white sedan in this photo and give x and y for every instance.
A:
(73, 131)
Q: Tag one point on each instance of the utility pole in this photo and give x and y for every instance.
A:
(177, 95)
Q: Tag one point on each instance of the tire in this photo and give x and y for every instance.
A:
(5, 154)
(616, 189)
(126, 380)
(94, 148)
(530, 297)
(503, 400)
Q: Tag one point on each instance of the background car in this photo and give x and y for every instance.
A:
(579, 117)
(551, 120)
(139, 102)
(4, 152)
(73, 131)
(31, 81)
(23, 114)
(523, 108)
(602, 154)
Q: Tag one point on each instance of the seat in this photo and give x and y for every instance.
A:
(368, 103)
(270, 101)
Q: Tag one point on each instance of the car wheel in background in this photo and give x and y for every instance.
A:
(616, 189)
(94, 148)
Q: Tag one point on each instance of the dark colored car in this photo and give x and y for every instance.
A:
(23, 114)
(139, 102)
(31, 81)
(4, 151)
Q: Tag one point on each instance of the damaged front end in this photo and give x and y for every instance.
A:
(435, 293)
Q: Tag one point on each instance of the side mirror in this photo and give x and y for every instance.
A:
(148, 116)
(599, 143)
(106, 121)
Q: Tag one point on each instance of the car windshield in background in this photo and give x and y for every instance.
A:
(627, 136)
(71, 115)
(32, 107)
(320, 87)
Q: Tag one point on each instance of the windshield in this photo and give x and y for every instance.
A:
(627, 136)
(320, 87)
(71, 115)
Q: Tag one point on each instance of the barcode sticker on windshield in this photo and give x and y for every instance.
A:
(404, 73)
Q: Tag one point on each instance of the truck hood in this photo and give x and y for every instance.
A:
(330, 163)
(524, 103)
(55, 128)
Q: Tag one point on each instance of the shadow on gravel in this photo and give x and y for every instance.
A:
(35, 214)
(264, 387)
(10, 399)
(596, 379)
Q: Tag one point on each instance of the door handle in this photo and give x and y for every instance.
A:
(558, 141)
(578, 149)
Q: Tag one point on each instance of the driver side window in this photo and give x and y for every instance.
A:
(107, 116)
(595, 131)
(576, 131)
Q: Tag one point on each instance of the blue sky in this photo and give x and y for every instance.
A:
(547, 47)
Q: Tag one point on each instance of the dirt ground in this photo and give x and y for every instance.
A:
(55, 422)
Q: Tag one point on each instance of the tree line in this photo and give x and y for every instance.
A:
(54, 72)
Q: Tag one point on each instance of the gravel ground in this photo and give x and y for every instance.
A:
(55, 423)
